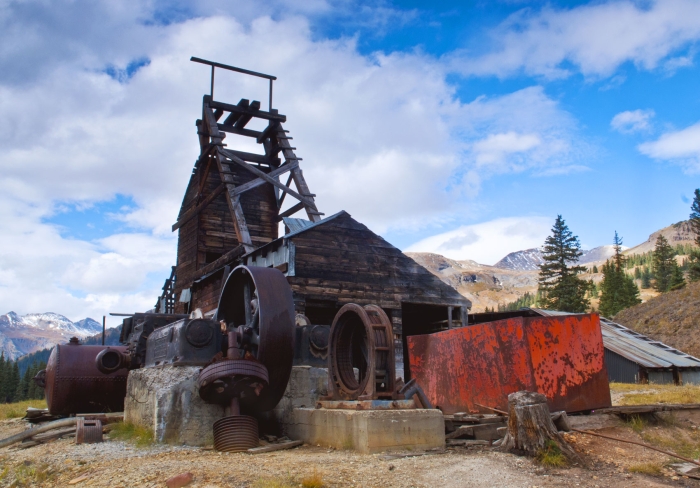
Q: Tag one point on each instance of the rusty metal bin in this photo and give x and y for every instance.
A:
(73, 384)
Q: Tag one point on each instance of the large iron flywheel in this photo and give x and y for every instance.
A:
(257, 303)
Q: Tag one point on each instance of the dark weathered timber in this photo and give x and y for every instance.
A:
(272, 174)
(290, 211)
(194, 211)
(245, 118)
(255, 158)
(259, 114)
(240, 132)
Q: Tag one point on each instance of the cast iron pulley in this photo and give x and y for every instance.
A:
(225, 380)
(361, 339)
(257, 307)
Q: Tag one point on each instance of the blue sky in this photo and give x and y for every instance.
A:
(461, 128)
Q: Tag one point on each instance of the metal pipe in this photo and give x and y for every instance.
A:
(232, 68)
(270, 103)
(104, 329)
(212, 82)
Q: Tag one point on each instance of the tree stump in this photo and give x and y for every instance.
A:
(530, 426)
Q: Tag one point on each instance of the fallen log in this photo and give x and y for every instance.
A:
(38, 430)
(530, 426)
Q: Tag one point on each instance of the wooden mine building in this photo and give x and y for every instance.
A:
(230, 215)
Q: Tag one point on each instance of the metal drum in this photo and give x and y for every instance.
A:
(73, 384)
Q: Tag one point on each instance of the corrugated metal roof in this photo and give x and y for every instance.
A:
(295, 225)
(311, 225)
(637, 347)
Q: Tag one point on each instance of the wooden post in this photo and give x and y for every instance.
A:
(449, 317)
(530, 426)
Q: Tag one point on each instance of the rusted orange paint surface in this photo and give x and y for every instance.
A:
(560, 357)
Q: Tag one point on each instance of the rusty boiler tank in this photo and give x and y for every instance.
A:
(73, 384)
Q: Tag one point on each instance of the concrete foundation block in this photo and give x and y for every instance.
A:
(306, 385)
(165, 399)
(369, 431)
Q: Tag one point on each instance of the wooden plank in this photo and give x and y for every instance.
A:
(259, 114)
(233, 116)
(274, 447)
(223, 260)
(240, 162)
(194, 211)
(259, 181)
(240, 132)
(290, 211)
(245, 118)
(254, 158)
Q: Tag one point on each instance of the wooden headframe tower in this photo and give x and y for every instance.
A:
(234, 200)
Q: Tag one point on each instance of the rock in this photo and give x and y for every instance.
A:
(77, 480)
(180, 480)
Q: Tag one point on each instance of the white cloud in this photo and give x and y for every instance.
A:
(596, 39)
(681, 147)
(382, 136)
(487, 242)
(632, 121)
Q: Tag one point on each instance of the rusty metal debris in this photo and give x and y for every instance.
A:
(73, 383)
(257, 309)
(88, 431)
(561, 357)
(361, 339)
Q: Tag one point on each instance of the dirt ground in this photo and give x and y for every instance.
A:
(118, 464)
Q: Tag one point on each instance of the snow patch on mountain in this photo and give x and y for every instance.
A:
(24, 334)
(527, 260)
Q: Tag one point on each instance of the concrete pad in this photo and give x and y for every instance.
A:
(369, 431)
(165, 399)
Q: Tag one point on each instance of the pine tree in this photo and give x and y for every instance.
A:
(664, 267)
(694, 264)
(14, 383)
(559, 286)
(646, 277)
(637, 273)
(3, 378)
(618, 290)
(595, 269)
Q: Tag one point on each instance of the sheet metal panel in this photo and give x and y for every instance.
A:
(560, 357)
(620, 369)
(661, 377)
(643, 350)
(690, 377)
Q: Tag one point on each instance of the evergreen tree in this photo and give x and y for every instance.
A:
(595, 269)
(694, 264)
(3, 378)
(646, 277)
(559, 286)
(664, 267)
(637, 273)
(677, 280)
(618, 290)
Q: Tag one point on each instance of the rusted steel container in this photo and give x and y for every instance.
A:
(560, 357)
(73, 384)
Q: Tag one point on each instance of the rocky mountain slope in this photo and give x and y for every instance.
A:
(517, 273)
(20, 335)
(673, 318)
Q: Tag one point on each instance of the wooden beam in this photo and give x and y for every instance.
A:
(259, 114)
(234, 201)
(245, 118)
(222, 260)
(289, 182)
(264, 176)
(290, 211)
(240, 132)
(255, 158)
(233, 116)
(273, 174)
(194, 211)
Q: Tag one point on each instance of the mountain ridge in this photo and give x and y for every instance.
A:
(24, 334)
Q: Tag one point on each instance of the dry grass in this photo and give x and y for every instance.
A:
(137, 434)
(274, 483)
(651, 469)
(24, 474)
(634, 394)
(17, 410)
(637, 423)
(313, 481)
(551, 456)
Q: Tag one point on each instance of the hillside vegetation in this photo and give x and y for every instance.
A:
(673, 318)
